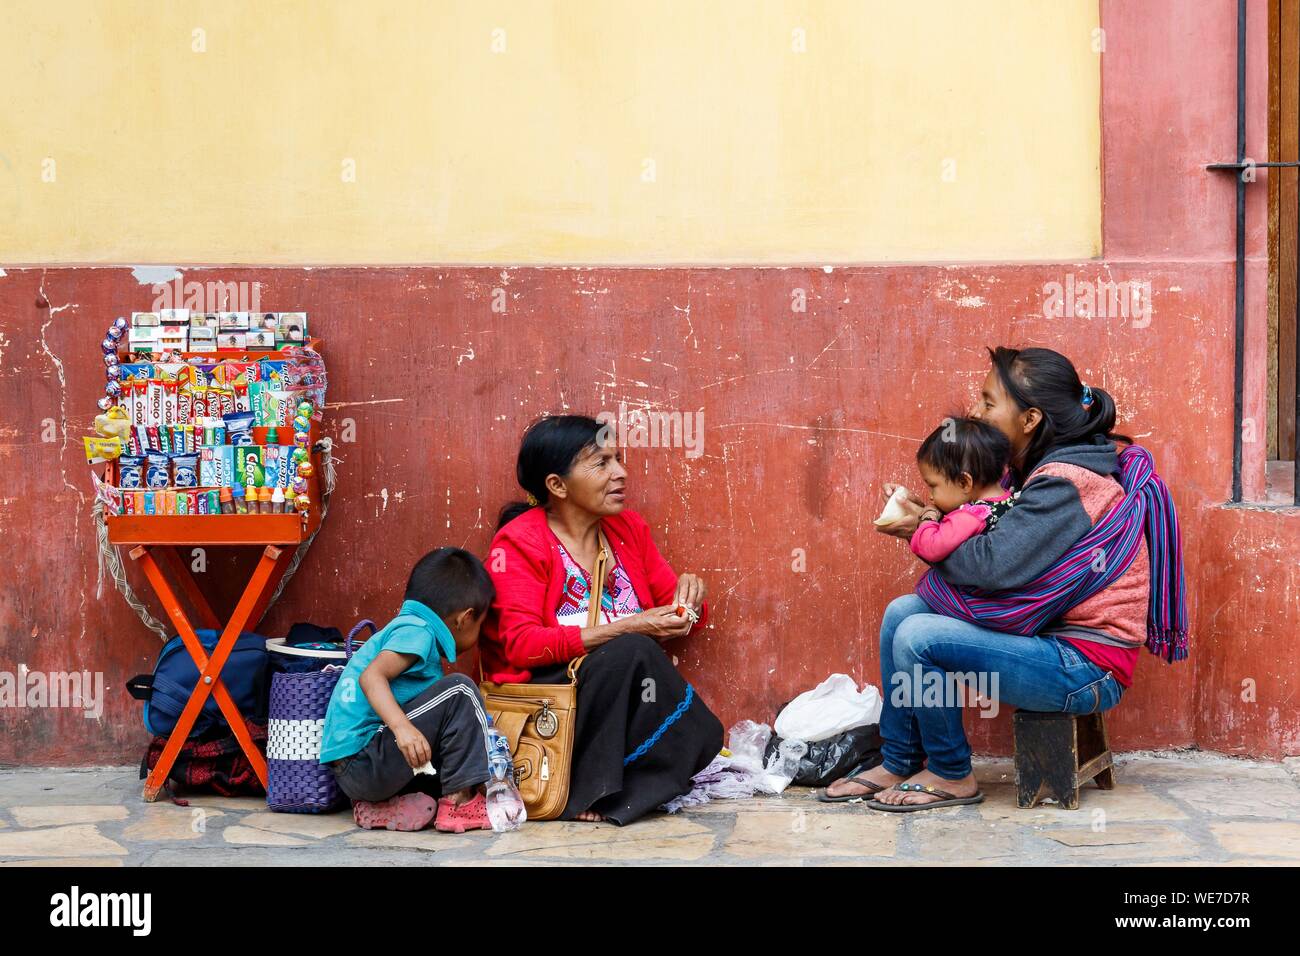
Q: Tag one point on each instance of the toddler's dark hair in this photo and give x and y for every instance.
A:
(963, 444)
(448, 580)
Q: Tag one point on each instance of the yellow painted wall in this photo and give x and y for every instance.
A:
(538, 153)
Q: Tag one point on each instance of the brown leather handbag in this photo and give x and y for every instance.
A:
(538, 720)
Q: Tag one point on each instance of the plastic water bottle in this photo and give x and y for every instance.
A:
(505, 807)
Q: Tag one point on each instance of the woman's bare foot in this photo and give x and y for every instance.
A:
(965, 787)
(462, 796)
(845, 787)
(590, 816)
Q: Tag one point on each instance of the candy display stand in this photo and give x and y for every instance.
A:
(156, 542)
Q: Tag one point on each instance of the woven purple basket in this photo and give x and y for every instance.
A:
(297, 781)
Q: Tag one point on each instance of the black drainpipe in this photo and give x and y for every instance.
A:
(1239, 359)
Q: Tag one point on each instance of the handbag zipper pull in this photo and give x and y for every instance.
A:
(546, 768)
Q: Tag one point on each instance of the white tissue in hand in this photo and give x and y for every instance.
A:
(894, 510)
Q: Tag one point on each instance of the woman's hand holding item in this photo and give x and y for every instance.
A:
(690, 591)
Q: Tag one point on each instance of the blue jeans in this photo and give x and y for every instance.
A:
(923, 654)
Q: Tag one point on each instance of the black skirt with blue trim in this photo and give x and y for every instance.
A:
(642, 731)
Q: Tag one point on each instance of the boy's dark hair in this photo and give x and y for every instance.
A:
(963, 444)
(448, 580)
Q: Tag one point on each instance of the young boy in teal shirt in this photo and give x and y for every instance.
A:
(396, 727)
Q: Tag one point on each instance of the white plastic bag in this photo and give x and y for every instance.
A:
(832, 707)
(747, 740)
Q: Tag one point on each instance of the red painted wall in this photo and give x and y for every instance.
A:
(805, 415)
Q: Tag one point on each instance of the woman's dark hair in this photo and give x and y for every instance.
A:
(549, 447)
(1046, 380)
(449, 580)
(966, 445)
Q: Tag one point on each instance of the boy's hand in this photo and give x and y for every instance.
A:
(413, 745)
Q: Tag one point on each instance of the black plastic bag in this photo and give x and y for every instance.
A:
(828, 760)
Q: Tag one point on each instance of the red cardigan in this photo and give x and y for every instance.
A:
(521, 632)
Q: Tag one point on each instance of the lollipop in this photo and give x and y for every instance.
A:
(302, 502)
(306, 469)
(105, 403)
(108, 345)
(305, 408)
(110, 359)
(300, 455)
(302, 440)
(301, 424)
(300, 486)
(113, 388)
(120, 324)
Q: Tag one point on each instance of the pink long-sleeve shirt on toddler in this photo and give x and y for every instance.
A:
(935, 540)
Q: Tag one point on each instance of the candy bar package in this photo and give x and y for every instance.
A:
(178, 426)
(248, 465)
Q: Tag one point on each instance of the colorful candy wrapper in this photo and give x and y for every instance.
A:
(248, 463)
(257, 402)
(185, 404)
(272, 465)
(171, 402)
(227, 399)
(186, 471)
(133, 396)
(154, 403)
(239, 427)
(240, 388)
(150, 504)
(271, 372)
(182, 503)
(130, 471)
(156, 472)
(128, 503)
(214, 503)
(102, 449)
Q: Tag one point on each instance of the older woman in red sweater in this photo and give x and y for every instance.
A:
(642, 732)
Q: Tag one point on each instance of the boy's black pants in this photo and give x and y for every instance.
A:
(450, 714)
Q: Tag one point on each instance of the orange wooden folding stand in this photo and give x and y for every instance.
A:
(156, 541)
(161, 553)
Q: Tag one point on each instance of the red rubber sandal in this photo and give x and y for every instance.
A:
(409, 811)
(470, 815)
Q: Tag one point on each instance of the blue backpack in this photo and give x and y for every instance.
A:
(166, 691)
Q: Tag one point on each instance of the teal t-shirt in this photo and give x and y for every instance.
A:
(350, 721)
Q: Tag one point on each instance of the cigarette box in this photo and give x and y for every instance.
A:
(204, 320)
(231, 340)
(232, 321)
(143, 339)
(173, 337)
(292, 328)
(260, 339)
(203, 340)
(140, 320)
(173, 316)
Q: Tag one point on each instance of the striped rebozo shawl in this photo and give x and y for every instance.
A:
(1146, 509)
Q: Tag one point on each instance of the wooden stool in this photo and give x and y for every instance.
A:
(1056, 754)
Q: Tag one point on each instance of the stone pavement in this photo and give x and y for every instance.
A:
(1183, 808)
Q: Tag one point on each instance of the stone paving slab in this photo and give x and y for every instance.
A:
(1179, 808)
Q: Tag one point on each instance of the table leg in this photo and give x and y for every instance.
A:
(269, 570)
(171, 557)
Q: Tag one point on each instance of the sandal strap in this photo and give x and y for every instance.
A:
(917, 788)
